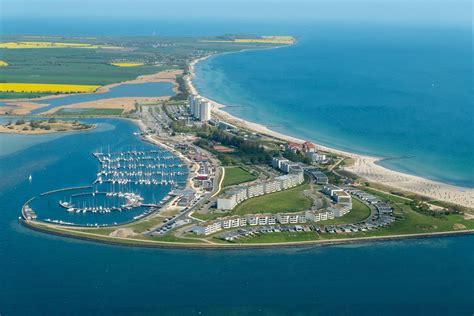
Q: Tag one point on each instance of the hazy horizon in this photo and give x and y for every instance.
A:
(439, 12)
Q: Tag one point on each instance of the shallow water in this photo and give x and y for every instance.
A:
(149, 89)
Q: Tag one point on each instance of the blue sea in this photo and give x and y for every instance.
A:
(391, 92)
(43, 274)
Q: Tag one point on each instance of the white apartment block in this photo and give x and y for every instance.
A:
(227, 203)
(276, 162)
(208, 228)
(255, 190)
(272, 186)
(340, 210)
(252, 220)
(205, 111)
(283, 218)
(266, 219)
(342, 198)
(239, 194)
(287, 165)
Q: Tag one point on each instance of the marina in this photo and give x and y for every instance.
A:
(129, 185)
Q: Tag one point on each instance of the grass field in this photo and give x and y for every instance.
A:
(46, 88)
(41, 45)
(291, 200)
(236, 175)
(20, 95)
(89, 112)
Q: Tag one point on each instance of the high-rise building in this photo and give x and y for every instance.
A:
(192, 104)
(205, 111)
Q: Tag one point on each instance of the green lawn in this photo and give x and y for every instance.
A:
(236, 175)
(210, 216)
(21, 95)
(89, 112)
(291, 200)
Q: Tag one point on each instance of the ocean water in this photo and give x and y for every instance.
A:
(392, 92)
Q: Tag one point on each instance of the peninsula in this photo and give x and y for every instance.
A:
(35, 127)
(231, 183)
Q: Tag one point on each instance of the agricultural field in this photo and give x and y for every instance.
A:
(87, 61)
(3, 63)
(46, 88)
(41, 45)
(127, 64)
(276, 40)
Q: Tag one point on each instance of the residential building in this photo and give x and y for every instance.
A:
(316, 157)
(319, 176)
(255, 190)
(205, 111)
(276, 162)
(339, 210)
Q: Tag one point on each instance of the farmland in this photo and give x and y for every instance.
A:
(92, 61)
(127, 64)
(42, 45)
(46, 88)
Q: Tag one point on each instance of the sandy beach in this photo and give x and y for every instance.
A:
(364, 166)
(20, 108)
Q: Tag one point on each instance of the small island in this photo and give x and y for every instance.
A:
(51, 125)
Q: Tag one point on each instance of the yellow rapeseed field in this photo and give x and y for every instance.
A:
(127, 64)
(268, 39)
(282, 40)
(19, 45)
(46, 88)
(3, 63)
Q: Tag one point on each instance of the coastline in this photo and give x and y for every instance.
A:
(129, 242)
(364, 166)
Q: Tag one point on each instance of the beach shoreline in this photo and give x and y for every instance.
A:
(364, 166)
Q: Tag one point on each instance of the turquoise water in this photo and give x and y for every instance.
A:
(149, 89)
(385, 91)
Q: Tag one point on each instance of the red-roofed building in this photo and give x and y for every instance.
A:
(294, 147)
(308, 147)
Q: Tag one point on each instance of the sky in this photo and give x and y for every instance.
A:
(396, 11)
